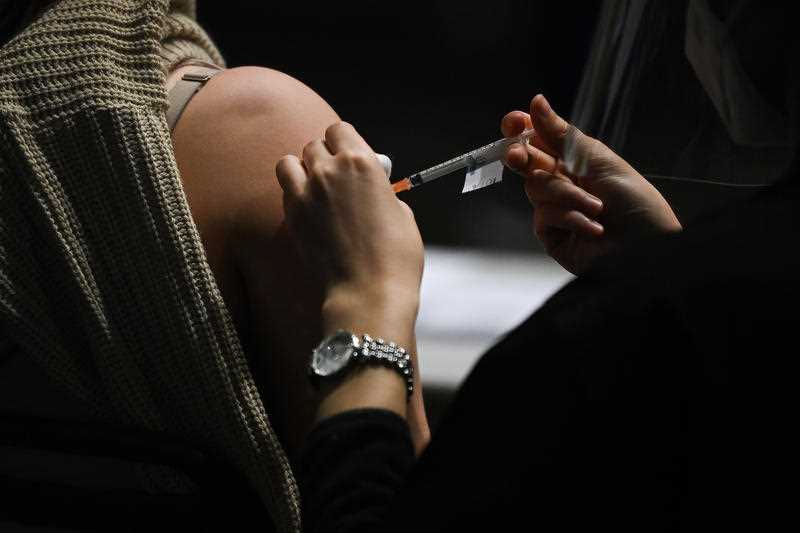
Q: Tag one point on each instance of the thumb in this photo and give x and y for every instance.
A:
(565, 140)
(552, 129)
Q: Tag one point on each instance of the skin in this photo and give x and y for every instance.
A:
(227, 144)
(587, 200)
(334, 264)
(371, 260)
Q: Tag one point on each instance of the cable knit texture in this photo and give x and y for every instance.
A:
(103, 278)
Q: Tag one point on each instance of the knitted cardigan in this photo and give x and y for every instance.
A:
(103, 278)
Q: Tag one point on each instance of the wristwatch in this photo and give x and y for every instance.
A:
(341, 352)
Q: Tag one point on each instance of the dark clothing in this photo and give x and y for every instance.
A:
(354, 464)
(677, 358)
(645, 85)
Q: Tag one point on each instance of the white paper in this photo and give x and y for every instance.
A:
(483, 176)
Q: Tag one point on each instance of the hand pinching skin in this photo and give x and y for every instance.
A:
(347, 221)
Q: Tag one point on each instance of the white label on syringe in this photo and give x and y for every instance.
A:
(484, 176)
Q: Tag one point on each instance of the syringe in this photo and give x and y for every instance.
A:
(476, 158)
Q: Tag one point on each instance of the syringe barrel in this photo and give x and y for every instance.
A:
(442, 169)
(496, 150)
(480, 156)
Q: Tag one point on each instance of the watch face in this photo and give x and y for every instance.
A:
(333, 353)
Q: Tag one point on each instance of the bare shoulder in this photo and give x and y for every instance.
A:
(233, 132)
(258, 93)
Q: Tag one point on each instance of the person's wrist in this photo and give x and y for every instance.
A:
(380, 310)
(364, 387)
(387, 310)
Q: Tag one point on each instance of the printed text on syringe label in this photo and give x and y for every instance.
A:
(487, 154)
(481, 177)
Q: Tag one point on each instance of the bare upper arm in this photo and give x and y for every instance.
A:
(227, 143)
(232, 134)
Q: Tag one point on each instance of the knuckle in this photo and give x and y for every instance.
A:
(319, 188)
(354, 159)
(336, 126)
(319, 171)
(347, 155)
(306, 149)
(363, 161)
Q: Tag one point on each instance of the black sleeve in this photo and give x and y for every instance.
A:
(350, 469)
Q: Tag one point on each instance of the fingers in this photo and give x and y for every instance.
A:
(314, 153)
(550, 220)
(515, 123)
(343, 136)
(339, 137)
(545, 188)
(516, 158)
(554, 131)
(291, 175)
(526, 159)
(341, 158)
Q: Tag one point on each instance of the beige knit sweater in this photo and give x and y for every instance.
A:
(103, 279)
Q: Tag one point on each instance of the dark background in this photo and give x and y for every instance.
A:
(422, 83)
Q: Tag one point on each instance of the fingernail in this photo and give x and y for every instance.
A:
(594, 200)
(597, 227)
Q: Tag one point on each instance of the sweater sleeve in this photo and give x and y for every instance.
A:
(351, 468)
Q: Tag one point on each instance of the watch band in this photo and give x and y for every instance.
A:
(387, 354)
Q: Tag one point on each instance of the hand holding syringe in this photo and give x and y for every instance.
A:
(471, 160)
